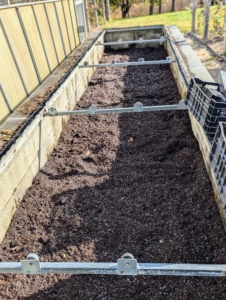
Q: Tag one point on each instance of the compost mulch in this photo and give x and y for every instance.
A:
(120, 183)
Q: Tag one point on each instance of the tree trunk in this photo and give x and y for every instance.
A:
(108, 10)
(173, 5)
(151, 11)
(207, 19)
(125, 6)
(160, 6)
(95, 13)
(194, 6)
(103, 9)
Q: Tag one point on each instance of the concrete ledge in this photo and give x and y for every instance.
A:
(193, 68)
(30, 152)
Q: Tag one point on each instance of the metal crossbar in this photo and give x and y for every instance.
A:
(126, 265)
(139, 41)
(140, 62)
(138, 107)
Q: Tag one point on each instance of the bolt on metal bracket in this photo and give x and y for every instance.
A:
(127, 265)
(51, 112)
(31, 265)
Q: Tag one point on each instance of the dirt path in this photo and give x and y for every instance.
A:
(120, 183)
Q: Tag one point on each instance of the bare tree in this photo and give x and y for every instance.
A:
(173, 5)
(207, 19)
(108, 10)
(160, 6)
(151, 11)
(103, 9)
(194, 6)
(95, 13)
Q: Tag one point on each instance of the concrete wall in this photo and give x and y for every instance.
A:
(34, 39)
(30, 152)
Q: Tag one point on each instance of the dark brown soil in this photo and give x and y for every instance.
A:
(120, 183)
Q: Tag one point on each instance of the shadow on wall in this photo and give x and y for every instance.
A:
(125, 183)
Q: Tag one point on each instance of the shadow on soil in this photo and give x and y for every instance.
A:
(141, 187)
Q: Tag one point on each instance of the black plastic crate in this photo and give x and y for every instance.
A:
(207, 105)
(218, 161)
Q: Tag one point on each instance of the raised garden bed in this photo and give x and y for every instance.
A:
(120, 183)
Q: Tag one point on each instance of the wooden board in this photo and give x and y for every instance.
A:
(73, 15)
(46, 35)
(63, 26)
(55, 30)
(34, 40)
(9, 77)
(20, 49)
(4, 111)
(69, 24)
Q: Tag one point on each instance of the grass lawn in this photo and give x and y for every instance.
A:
(182, 19)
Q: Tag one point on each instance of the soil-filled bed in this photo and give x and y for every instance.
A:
(120, 183)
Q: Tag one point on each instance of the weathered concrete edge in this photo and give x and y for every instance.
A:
(31, 150)
(186, 55)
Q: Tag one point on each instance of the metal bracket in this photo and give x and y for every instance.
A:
(93, 109)
(140, 60)
(31, 265)
(182, 105)
(51, 112)
(169, 58)
(127, 265)
(138, 107)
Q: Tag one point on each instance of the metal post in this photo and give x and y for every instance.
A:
(14, 57)
(225, 34)
(51, 33)
(87, 16)
(58, 22)
(66, 25)
(28, 45)
(41, 38)
(6, 98)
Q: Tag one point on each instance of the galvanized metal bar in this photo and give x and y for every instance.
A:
(35, 267)
(41, 38)
(140, 41)
(6, 98)
(127, 64)
(138, 107)
(51, 33)
(58, 22)
(66, 24)
(14, 57)
(28, 45)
